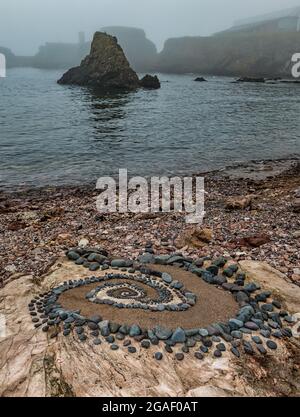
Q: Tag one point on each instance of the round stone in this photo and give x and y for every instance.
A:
(204, 349)
(66, 332)
(179, 356)
(97, 342)
(217, 353)
(93, 326)
(114, 347)
(168, 349)
(203, 332)
(110, 339)
(271, 345)
(131, 349)
(198, 355)
(126, 343)
(221, 347)
(145, 344)
(158, 356)
(82, 337)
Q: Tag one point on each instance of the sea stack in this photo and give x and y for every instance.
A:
(106, 67)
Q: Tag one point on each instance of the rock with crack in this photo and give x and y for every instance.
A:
(106, 67)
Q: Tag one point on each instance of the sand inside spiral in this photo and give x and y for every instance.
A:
(213, 304)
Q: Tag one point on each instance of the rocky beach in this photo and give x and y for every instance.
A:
(252, 213)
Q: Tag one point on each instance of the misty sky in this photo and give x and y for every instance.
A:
(26, 24)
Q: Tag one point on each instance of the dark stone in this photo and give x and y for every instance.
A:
(204, 349)
(271, 345)
(221, 347)
(135, 330)
(217, 353)
(168, 349)
(66, 332)
(261, 349)
(179, 356)
(72, 255)
(82, 337)
(276, 304)
(235, 351)
(150, 82)
(213, 269)
(251, 325)
(178, 336)
(257, 340)
(158, 356)
(114, 346)
(235, 324)
(198, 355)
(200, 79)
(92, 325)
(124, 329)
(131, 349)
(126, 343)
(97, 342)
(162, 333)
(145, 344)
(110, 339)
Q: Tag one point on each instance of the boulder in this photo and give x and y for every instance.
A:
(196, 237)
(105, 67)
(150, 82)
(200, 79)
(238, 203)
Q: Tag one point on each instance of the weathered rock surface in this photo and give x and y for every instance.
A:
(273, 280)
(33, 364)
(105, 67)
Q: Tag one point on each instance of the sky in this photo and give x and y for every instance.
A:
(27, 24)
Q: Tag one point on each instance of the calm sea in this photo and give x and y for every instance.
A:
(58, 135)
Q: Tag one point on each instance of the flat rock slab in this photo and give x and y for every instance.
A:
(33, 364)
(271, 279)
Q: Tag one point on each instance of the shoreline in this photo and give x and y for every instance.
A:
(238, 169)
(38, 225)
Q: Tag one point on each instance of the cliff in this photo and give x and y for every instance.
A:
(235, 54)
(60, 55)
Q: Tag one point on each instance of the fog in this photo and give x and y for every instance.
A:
(26, 24)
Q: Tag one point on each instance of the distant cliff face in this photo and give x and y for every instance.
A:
(60, 55)
(140, 51)
(105, 67)
(267, 54)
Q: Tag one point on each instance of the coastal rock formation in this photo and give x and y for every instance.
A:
(105, 67)
(150, 82)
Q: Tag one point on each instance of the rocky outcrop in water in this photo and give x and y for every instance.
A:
(105, 67)
(150, 82)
